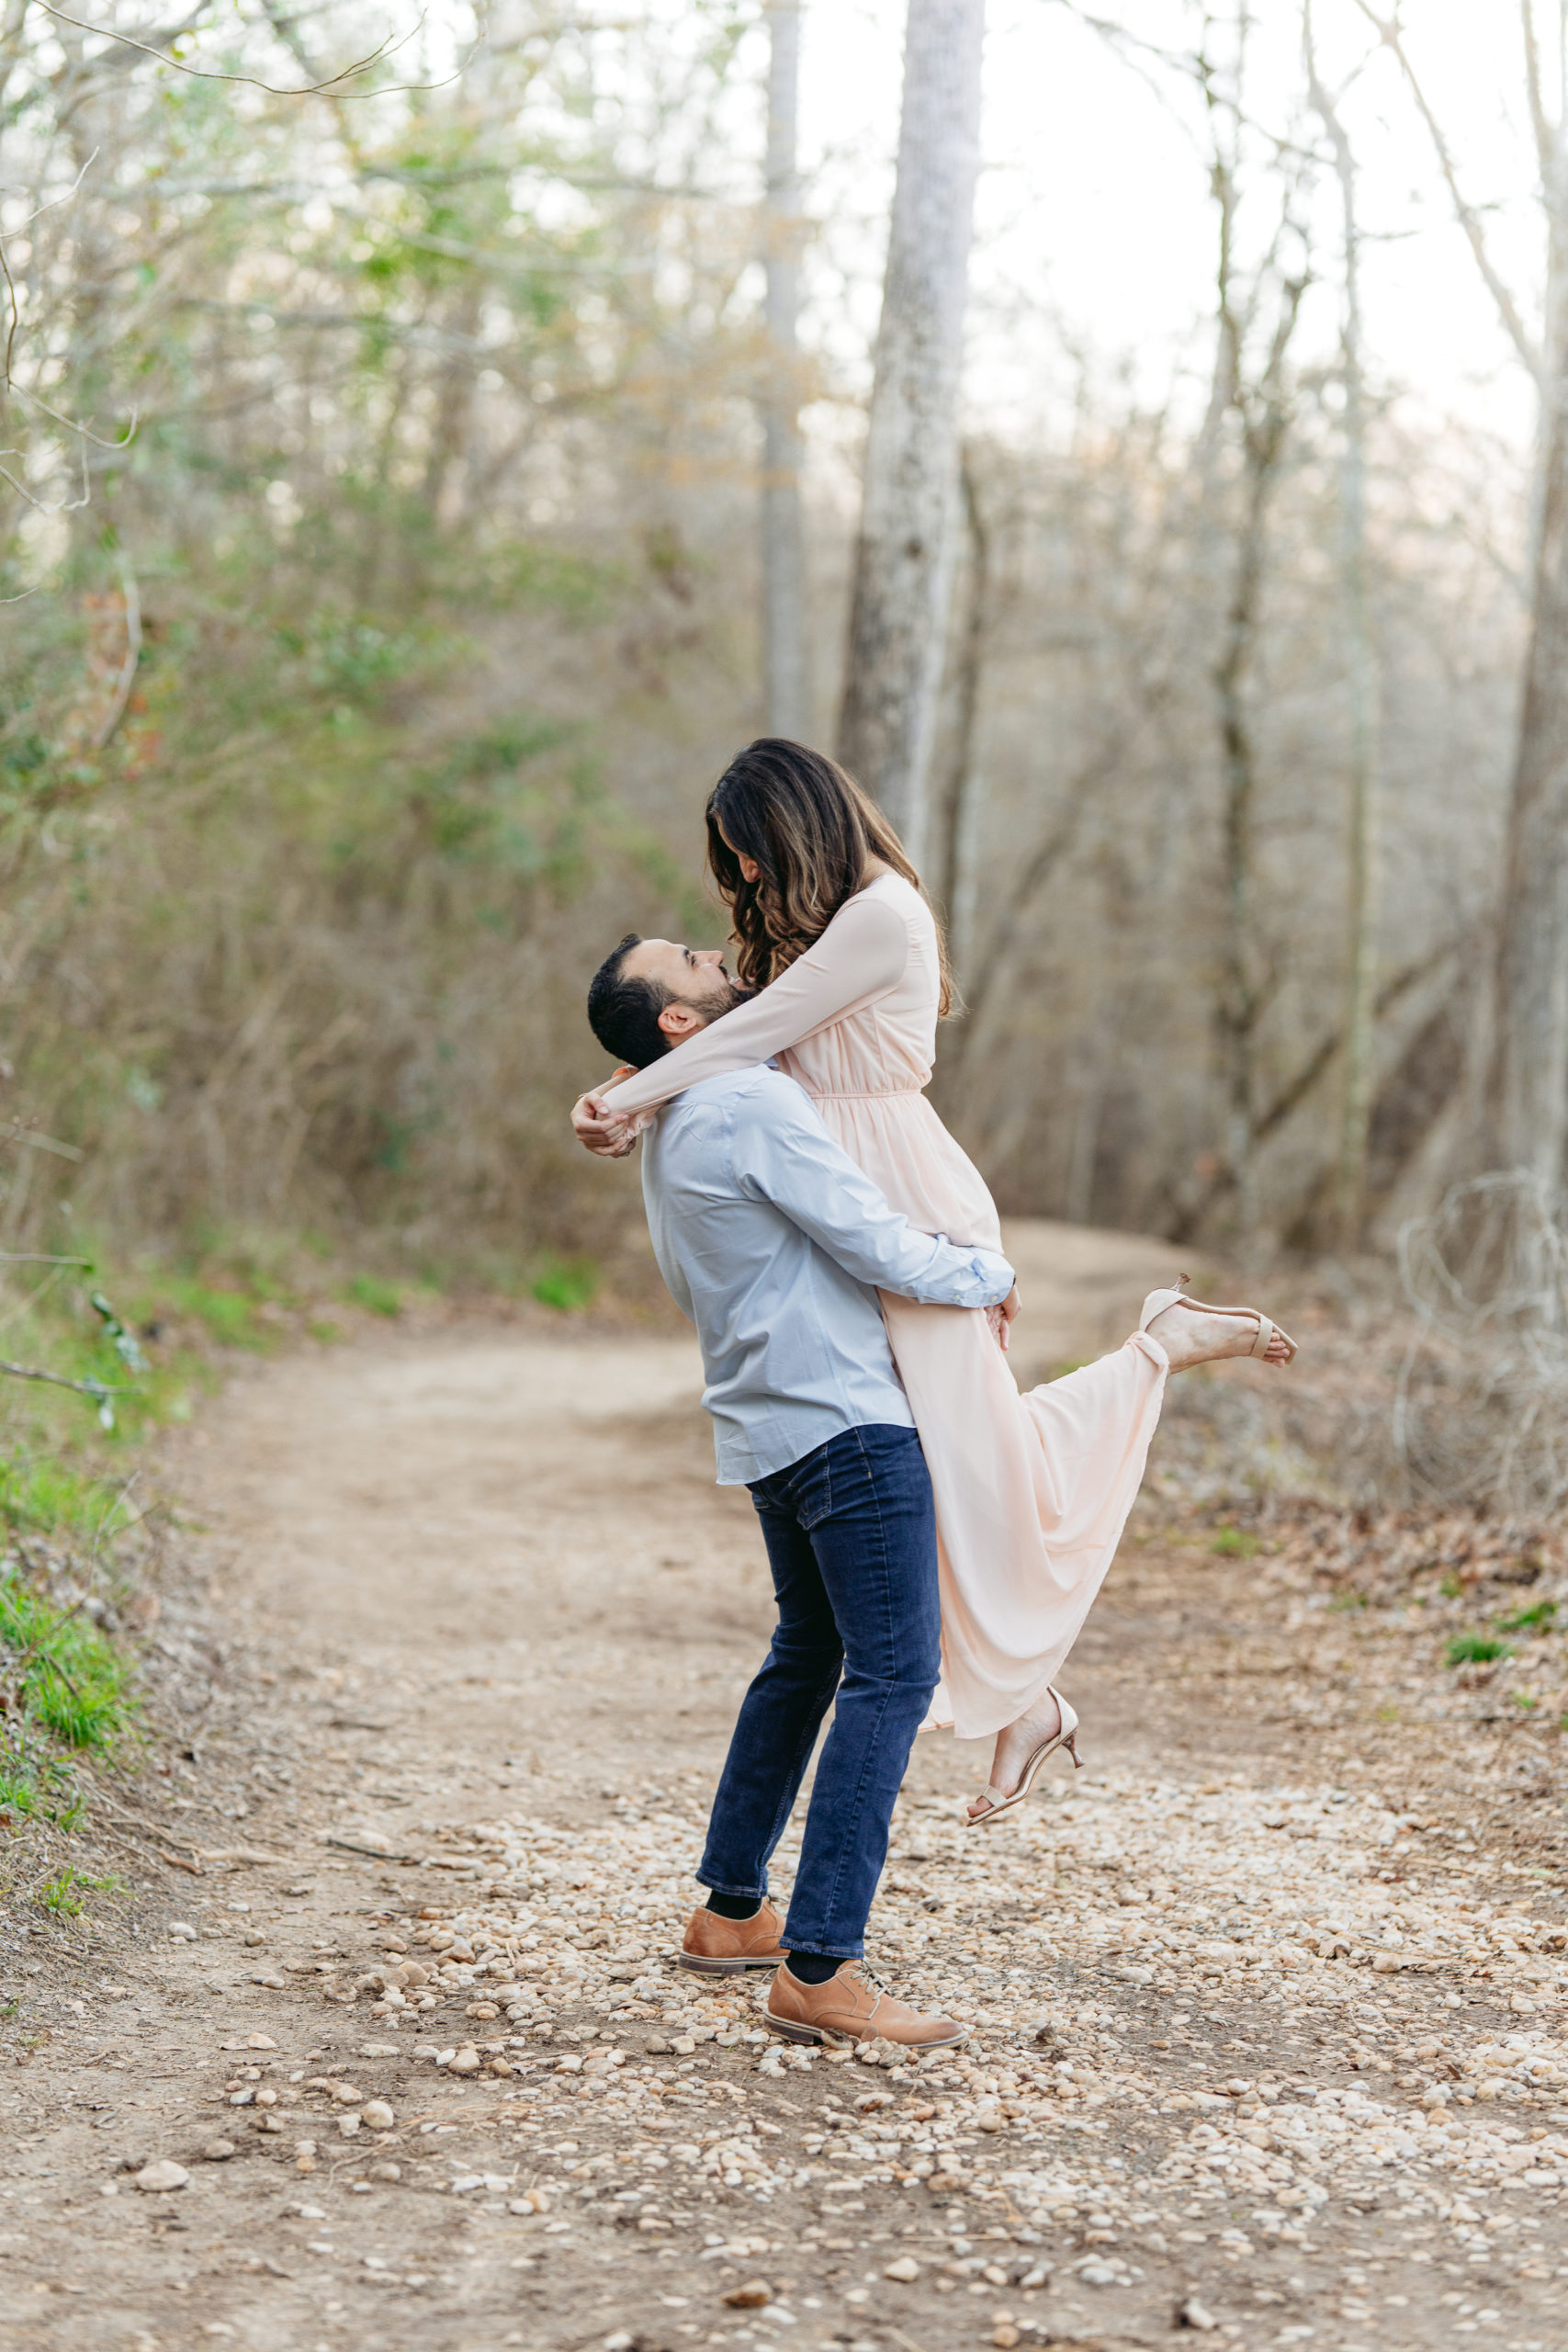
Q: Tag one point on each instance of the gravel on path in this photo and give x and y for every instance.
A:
(1269, 2006)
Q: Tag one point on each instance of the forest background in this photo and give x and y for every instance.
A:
(384, 555)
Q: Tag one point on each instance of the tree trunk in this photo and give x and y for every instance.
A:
(1243, 995)
(903, 557)
(952, 875)
(1261, 404)
(786, 668)
(1527, 1100)
(1357, 1068)
(1361, 901)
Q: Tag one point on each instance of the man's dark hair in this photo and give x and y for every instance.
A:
(622, 1011)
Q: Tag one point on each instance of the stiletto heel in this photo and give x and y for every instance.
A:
(1158, 1301)
(999, 1801)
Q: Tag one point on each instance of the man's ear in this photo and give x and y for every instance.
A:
(678, 1021)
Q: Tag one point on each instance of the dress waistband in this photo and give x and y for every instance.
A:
(865, 1095)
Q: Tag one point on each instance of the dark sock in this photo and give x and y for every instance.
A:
(735, 1907)
(813, 1967)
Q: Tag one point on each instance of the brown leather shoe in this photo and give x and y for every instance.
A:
(715, 1947)
(852, 2007)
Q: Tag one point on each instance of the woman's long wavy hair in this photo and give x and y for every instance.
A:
(811, 830)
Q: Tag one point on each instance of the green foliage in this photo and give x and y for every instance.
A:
(1236, 1543)
(1476, 1649)
(1538, 1619)
(65, 1673)
(62, 1895)
(376, 1296)
(22, 1792)
(477, 803)
(229, 1316)
(47, 1496)
(429, 513)
(522, 572)
(358, 655)
(123, 1342)
(1452, 1586)
(566, 1283)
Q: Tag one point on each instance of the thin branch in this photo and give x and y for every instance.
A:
(53, 202)
(97, 1389)
(1534, 357)
(1544, 145)
(126, 678)
(51, 1281)
(11, 284)
(1032, 876)
(1192, 66)
(443, 175)
(1295, 1090)
(418, 337)
(16, 313)
(273, 90)
(70, 423)
(64, 505)
(34, 1139)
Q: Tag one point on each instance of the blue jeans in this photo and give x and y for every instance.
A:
(851, 1531)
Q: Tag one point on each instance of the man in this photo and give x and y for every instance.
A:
(775, 1244)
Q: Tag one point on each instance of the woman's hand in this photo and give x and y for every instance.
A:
(1001, 1316)
(598, 1128)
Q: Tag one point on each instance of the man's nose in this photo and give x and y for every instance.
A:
(710, 955)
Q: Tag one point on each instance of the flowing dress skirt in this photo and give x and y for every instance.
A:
(1033, 1490)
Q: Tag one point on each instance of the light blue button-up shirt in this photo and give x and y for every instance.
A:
(775, 1244)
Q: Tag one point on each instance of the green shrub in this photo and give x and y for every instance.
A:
(376, 1296)
(228, 1315)
(566, 1283)
(1476, 1649)
(44, 1494)
(62, 1894)
(1535, 1620)
(69, 1678)
(1236, 1543)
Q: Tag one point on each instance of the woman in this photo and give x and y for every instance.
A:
(1032, 1491)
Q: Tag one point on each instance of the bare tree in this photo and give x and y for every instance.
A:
(1358, 1066)
(785, 640)
(1252, 385)
(903, 557)
(1525, 1090)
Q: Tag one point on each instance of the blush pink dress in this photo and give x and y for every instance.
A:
(1031, 1490)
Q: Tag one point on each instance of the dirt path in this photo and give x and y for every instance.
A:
(1258, 2049)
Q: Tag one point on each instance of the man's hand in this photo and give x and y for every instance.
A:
(1002, 1316)
(597, 1126)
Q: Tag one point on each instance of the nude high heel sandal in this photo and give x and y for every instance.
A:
(1158, 1300)
(998, 1800)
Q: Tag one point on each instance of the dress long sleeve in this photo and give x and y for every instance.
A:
(859, 957)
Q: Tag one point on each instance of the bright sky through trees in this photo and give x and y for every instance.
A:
(1094, 195)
